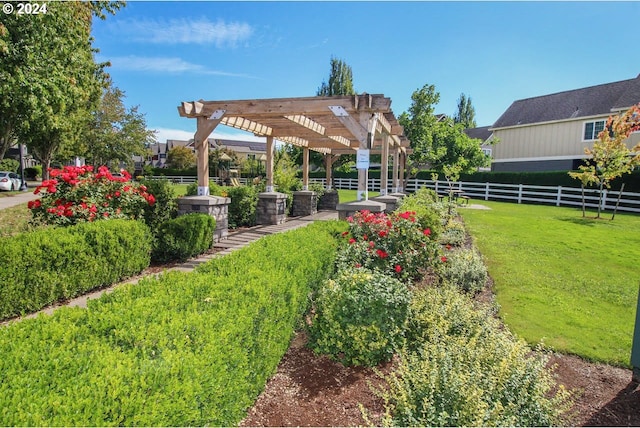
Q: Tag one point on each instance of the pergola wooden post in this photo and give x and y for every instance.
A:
(269, 163)
(328, 162)
(396, 171)
(384, 168)
(201, 140)
(305, 168)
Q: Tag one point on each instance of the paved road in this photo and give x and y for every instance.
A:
(18, 198)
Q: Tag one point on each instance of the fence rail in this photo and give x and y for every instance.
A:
(519, 193)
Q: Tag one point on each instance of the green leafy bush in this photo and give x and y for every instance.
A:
(8, 164)
(33, 172)
(242, 209)
(184, 349)
(464, 269)
(359, 318)
(183, 237)
(48, 265)
(462, 369)
(453, 234)
(165, 206)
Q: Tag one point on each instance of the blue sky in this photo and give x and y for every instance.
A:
(165, 52)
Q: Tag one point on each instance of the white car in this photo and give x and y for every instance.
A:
(9, 181)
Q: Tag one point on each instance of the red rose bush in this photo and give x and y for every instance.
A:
(76, 194)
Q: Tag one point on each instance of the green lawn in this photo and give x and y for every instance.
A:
(352, 195)
(561, 279)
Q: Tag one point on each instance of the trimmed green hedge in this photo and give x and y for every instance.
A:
(48, 265)
(183, 237)
(186, 349)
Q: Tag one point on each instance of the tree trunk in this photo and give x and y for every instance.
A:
(615, 210)
(600, 200)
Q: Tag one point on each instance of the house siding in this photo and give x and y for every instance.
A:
(541, 143)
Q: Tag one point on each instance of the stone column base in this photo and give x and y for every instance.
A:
(329, 200)
(350, 208)
(305, 202)
(272, 208)
(216, 206)
(391, 202)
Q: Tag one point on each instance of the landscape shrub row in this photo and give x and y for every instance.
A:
(462, 368)
(185, 349)
(244, 201)
(48, 265)
(183, 237)
(458, 366)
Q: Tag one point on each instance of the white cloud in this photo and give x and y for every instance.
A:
(165, 65)
(184, 31)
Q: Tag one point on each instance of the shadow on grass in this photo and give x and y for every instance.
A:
(588, 220)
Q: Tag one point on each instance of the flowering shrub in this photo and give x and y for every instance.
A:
(77, 194)
(395, 244)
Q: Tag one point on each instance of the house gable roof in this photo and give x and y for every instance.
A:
(591, 101)
(481, 133)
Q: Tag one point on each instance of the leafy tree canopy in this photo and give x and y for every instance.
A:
(440, 145)
(181, 157)
(466, 114)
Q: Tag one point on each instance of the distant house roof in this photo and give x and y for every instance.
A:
(253, 146)
(481, 133)
(592, 101)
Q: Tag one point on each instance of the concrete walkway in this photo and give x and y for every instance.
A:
(18, 198)
(235, 240)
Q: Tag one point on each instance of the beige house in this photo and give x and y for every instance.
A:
(550, 132)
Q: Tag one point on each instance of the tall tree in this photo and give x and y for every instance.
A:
(466, 114)
(440, 145)
(340, 80)
(115, 132)
(49, 81)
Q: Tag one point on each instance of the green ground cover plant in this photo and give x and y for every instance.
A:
(184, 349)
(561, 279)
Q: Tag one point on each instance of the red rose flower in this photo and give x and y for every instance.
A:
(398, 268)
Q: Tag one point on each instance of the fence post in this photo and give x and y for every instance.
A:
(520, 193)
(486, 191)
(604, 200)
(559, 197)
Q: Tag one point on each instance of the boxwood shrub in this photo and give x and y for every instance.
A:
(183, 237)
(184, 349)
(48, 265)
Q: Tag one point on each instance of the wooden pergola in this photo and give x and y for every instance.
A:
(331, 125)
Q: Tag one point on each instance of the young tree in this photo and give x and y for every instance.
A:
(466, 114)
(441, 145)
(49, 81)
(116, 133)
(610, 157)
(180, 157)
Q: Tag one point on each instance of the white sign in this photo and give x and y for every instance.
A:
(362, 159)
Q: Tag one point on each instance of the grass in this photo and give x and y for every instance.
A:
(352, 195)
(567, 281)
(14, 220)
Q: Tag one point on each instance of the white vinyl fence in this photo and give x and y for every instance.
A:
(519, 193)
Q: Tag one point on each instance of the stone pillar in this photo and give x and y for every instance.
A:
(305, 202)
(216, 206)
(272, 208)
(350, 208)
(390, 201)
(329, 200)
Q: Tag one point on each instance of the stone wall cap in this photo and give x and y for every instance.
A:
(205, 200)
(272, 195)
(369, 204)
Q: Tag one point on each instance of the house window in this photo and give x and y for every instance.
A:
(592, 129)
(486, 151)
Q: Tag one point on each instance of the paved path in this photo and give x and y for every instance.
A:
(18, 198)
(234, 241)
